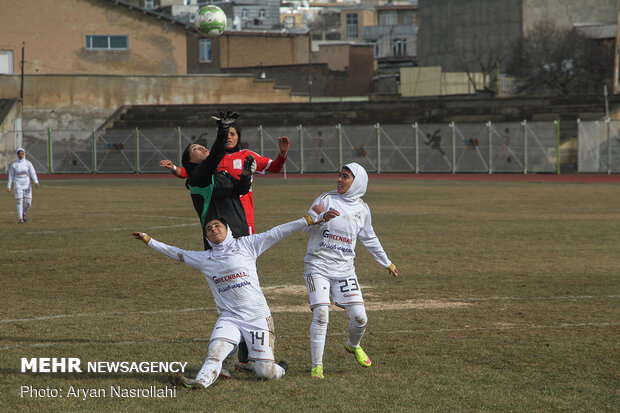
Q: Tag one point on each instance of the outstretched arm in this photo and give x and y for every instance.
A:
(191, 258)
(277, 164)
(176, 171)
(259, 243)
(370, 240)
(202, 175)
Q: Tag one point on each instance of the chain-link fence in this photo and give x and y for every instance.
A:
(599, 146)
(418, 148)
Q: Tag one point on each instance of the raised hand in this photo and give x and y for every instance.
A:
(226, 119)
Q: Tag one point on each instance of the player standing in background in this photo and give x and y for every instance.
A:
(230, 270)
(233, 164)
(329, 262)
(21, 172)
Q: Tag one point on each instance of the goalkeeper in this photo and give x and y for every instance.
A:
(230, 270)
(329, 270)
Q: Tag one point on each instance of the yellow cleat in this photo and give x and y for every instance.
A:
(361, 357)
(317, 372)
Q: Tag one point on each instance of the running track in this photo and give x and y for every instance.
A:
(568, 178)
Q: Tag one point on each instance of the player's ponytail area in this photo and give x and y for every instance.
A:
(507, 300)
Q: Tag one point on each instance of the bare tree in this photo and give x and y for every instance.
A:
(554, 61)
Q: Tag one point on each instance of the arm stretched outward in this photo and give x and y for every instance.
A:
(284, 145)
(191, 258)
(179, 172)
(370, 240)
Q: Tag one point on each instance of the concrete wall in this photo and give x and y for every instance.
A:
(55, 33)
(67, 102)
(242, 49)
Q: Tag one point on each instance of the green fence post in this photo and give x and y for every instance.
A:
(94, 151)
(490, 133)
(416, 150)
(558, 161)
(524, 127)
(179, 155)
(453, 140)
(260, 139)
(339, 132)
(608, 132)
(49, 150)
(301, 149)
(137, 151)
(378, 128)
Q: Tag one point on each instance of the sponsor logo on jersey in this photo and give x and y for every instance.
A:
(328, 235)
(237, 164)
(230, 277)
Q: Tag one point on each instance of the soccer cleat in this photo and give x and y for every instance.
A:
(317, 372)
(241, 366)
(181, 381)
(21, 221)
(283, 364)
(361, 357)
(25, 218)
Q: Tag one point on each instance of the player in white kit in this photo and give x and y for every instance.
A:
(230, 270)
(329, 268)
(21, 172)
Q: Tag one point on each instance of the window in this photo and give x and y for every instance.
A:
(149, 4)
(399, 47)
(244, 13)
(262, 13)
(387, 19)
(351, 25)
(6, 61)
(94, 42)
(205, 50)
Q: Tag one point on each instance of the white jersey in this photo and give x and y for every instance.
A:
(331, 248)
(20, 173)
(230, 269)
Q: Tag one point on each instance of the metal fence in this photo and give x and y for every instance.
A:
(599, 146)
(525, 147)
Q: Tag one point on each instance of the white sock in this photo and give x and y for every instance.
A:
(218, 350)
(268, 370)
(318, 331)
(27, 204)
(20, 208)
(357, 324)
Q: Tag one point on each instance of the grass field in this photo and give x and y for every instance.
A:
(507, 299)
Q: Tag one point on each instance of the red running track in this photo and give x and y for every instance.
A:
(568, 178)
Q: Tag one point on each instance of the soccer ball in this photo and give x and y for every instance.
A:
(210, 20)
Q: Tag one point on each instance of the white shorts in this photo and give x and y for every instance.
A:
(259, 335)
(344, 291)
(22, 191)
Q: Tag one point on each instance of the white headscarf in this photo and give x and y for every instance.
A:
(17, 151)
(359, 184)
(224, 244)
